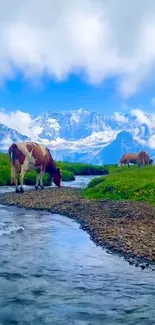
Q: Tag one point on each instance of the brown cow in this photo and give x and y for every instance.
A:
(129, 158)
(32, 156)
(144, 159)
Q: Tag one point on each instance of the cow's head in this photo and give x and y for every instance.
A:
(57, 177)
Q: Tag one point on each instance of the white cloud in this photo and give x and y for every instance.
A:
(151, 142)
(149, 120)
(17, 120)
(6, 142)
(100, 38)
(143, 117)
(120, 117)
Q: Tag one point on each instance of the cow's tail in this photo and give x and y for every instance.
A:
(13, 154)
(15, 168)
(13, 159)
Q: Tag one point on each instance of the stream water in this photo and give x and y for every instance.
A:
(51, 273)
(80, 182)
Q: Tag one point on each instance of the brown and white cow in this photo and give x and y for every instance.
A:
(144, 159)
(129, 158)
(26, 156)
(140, 159)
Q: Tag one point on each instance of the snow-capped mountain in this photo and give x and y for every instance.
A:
(124, 143)
(72, 126)
(91, 137)
(8, 135)
(109, 154)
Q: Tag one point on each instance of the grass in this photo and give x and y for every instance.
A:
(83, 169)
(122, 183)
(69, 170)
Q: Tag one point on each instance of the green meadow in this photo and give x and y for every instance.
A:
(123, 183)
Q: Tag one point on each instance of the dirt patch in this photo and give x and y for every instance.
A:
(125, 228)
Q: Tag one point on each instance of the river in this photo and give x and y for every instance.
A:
(51, 273)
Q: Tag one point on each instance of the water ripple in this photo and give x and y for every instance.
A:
(9, 230)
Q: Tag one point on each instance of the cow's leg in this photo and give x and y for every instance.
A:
(16, 184)
(22, 174)
(12, 175)
(14, 179)
(37, 180)
(41, 180)
(128, 165)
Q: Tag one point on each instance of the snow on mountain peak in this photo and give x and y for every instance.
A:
(80, 134)
(82, 111)
(120, 118)
(80, 124)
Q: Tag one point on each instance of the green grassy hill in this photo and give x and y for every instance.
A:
(122, 183)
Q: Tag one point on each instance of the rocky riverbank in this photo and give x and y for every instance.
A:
(125, 228)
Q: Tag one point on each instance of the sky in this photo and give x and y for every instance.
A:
(63, 55)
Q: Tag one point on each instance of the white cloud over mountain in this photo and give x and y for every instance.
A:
(143, 117)
(120, 117)
(151, 142)
(100, 38)
(17, 120)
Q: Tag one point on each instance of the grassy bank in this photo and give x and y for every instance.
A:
(134, 184)
(83, 169)
(69, 170)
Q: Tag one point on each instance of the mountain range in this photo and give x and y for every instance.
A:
(83, 136)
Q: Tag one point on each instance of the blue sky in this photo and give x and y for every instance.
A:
(20, 94)
(98, 55)
(64, 95)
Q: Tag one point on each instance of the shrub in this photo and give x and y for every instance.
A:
(83, 169)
